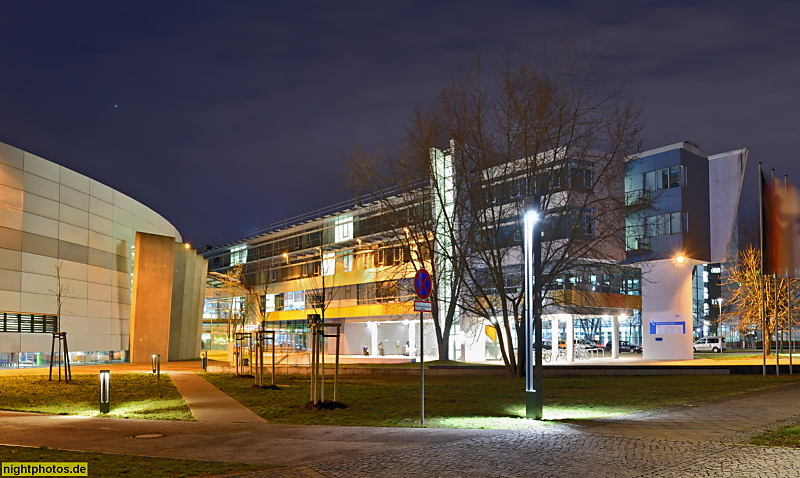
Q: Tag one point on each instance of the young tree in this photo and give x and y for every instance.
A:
(231, 299)
(61, 293)
(744, 306)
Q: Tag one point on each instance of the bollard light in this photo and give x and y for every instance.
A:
(157, 365)
(105, 389)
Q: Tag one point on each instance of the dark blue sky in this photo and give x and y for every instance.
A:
(231, 115)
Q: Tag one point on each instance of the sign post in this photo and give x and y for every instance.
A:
(423, 287)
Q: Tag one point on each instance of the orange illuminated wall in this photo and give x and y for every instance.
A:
(152, 296)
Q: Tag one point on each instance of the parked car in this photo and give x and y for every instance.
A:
(597, 342)
(710, 344)
(626, 347)
(580, 343)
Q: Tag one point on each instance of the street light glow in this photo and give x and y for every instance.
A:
(531, 217)
(680, 259)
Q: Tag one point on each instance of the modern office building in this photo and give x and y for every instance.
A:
(353, 252)
(66, 236)
(681, 239)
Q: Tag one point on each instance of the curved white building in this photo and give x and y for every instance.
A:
(51, 216)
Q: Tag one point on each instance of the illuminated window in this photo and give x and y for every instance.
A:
(294, 300)
(238, 254)
(344, 228)
(347, 261)
(328, 264)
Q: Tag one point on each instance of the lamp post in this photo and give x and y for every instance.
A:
(533, 305)
(105, 389)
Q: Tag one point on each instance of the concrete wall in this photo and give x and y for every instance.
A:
(152, 296)
(188, 288)
(51, 215)
(726, 174)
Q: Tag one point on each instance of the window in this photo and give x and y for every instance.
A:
(238, 254)
(344, 228)
(273, 302)
(667, 224)
(294, 300)
(377, 292)
(666, 178)
(328, 264)
(347, 262)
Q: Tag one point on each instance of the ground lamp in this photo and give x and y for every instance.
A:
(157, 365)
(105, 388)
(533, 307)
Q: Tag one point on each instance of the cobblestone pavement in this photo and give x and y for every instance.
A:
(563, 453)
(708, 440)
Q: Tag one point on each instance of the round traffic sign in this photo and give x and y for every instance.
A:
(423, 284)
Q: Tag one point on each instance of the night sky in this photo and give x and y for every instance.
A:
(227, 116)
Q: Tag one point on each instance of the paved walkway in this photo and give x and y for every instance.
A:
(210, 404)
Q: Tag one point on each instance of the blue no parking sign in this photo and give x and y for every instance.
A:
(423, 284)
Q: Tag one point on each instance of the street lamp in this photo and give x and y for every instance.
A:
(533, 304)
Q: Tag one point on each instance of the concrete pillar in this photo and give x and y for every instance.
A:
(412, 337)
(615, 337)
(667, 310)
(373, 337)
(570, 338)
(554, 337)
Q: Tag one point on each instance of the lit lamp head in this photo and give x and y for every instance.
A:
(105, 389)
(530, 212)
(531, 216)
(187, 245)
(680, 259)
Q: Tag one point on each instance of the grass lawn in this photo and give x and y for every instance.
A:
(482, 402)
(132, 396)
(787, 436)
(745, 356)
(108, 465)
(731, 356)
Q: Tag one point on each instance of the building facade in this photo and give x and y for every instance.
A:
(66, 236)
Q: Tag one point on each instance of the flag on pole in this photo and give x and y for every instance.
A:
(791, 214)
(773, 241)
(781, 227)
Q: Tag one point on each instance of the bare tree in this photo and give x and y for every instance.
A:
(61, 293)
(547, 126)
(412, 200)
(550, 128)
(231, 299)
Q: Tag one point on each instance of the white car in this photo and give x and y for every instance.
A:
(710, 344)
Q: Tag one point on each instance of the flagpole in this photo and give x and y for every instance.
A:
(777, 351)
(763, 290)
(775, 277)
